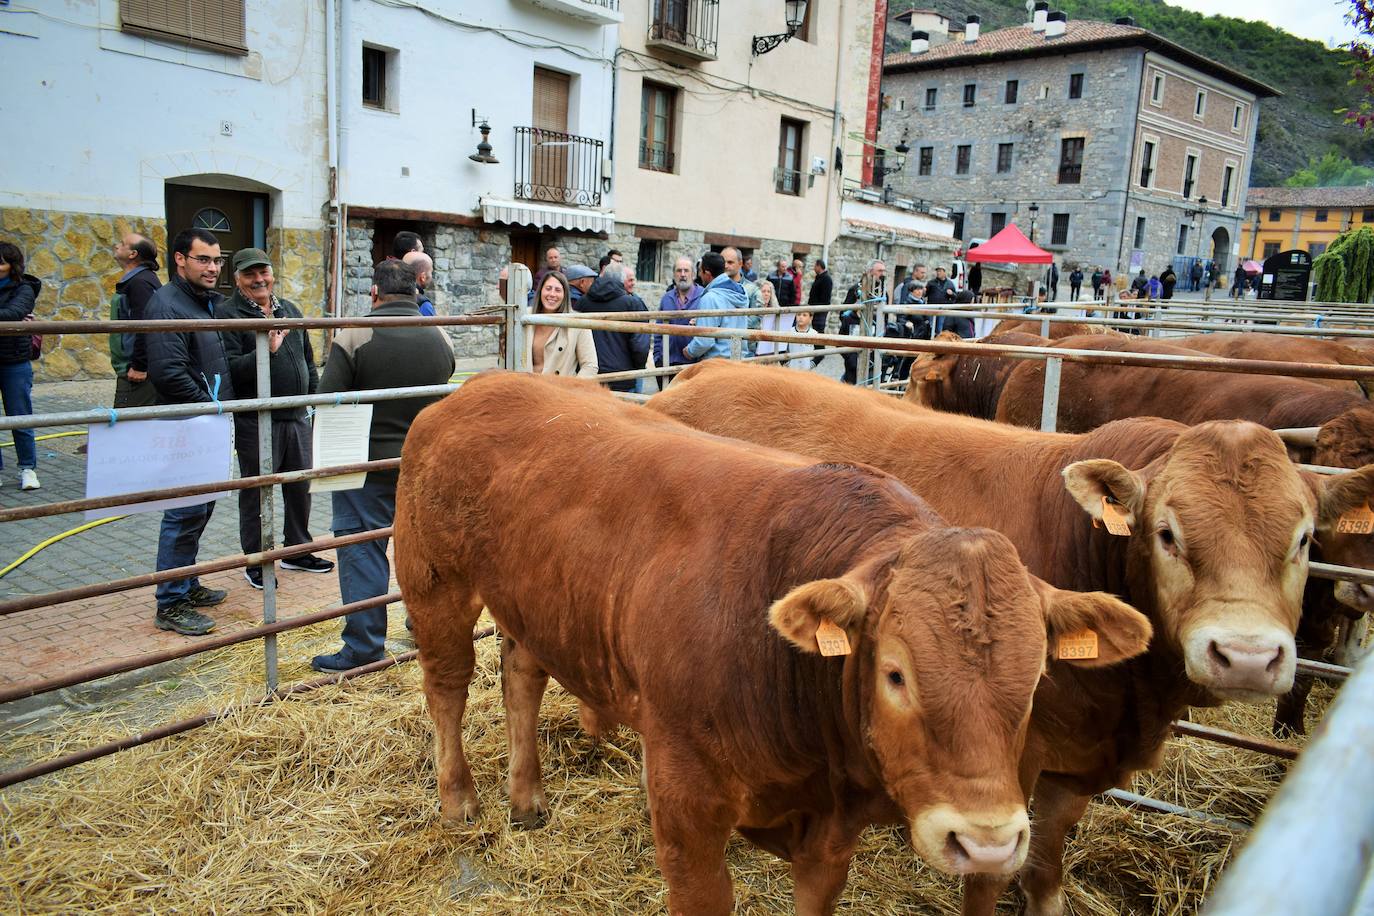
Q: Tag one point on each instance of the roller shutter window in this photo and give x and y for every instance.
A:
(214, 24)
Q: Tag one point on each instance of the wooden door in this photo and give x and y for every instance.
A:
(524, 249)
(549, 151)
(237, 218)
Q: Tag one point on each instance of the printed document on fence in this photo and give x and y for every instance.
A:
(132, 456)
(341, 437)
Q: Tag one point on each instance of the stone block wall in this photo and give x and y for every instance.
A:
(73, 254)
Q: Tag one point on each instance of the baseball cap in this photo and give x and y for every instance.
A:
(245, 258)
(578, 272)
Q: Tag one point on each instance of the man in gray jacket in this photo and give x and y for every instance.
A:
(187, 368)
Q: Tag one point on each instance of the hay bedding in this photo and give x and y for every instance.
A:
(326, 804)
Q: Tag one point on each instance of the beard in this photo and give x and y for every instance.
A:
(683, 286)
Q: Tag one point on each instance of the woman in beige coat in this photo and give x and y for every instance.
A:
(558, 351)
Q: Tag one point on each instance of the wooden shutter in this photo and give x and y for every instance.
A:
(551, 100)
(214, 24)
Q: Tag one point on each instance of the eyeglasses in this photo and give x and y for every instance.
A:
(204, 260)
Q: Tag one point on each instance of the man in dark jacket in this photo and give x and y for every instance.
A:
(137, 257)
(187, 367)
(291, 365)
(616, 351)
(363, 359)
(784, 290)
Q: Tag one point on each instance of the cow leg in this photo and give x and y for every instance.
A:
(820, 869)
(981, 893)
(1290, 711)
(522, 688)
(1057, 809)
(447, 659)
(690, 833)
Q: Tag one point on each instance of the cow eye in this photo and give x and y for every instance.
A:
(1167, 540)
(895, 678)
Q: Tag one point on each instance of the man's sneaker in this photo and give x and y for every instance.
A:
(336, 663)
(307, 562)
(28, 479)
(184, 619)
(254, 576)
(200, 596)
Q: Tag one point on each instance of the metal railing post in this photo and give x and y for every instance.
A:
(1310, 851)
(518, 282)
(263, 355)
(1049, 404)
(866, 316)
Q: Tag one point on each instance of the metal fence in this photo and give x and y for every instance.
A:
(1339, 749)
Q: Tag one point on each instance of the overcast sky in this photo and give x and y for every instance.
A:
(1322, 20)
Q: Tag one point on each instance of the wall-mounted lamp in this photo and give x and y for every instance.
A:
(901, 149)
(1034, 212)
(483, 154)
(796, 16)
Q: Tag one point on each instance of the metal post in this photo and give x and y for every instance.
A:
(1310, 852)
(1049, 404)
(263, 355)
(518, 282)
(736, 348)
(865, 355)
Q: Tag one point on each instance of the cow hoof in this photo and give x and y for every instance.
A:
(531, 818)
(1052, 906)
(461, 811)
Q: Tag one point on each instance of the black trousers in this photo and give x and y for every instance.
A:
(134, 394)
(290, 452)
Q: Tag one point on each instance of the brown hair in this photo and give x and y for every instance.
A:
(12, 255)
(565, 306)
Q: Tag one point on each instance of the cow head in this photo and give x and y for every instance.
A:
(1347, 441)
(1338, 495)
(949, 635)
(1221, 526)
(930, 372)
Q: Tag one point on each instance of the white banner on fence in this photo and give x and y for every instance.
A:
(137, 455)
(341, 436)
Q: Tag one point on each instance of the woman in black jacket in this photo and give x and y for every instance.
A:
(18, 292)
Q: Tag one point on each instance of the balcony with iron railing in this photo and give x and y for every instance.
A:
(685, 28)
(598, 12)
(557, 168)
(787, 181)
(656, 157)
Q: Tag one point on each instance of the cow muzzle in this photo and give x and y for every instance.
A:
(1356, 596)
(960, 844)
(1249, 665)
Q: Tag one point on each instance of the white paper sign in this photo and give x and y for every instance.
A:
(341, 437)
(136, 455)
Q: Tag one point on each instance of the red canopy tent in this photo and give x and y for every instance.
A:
(1009, 246)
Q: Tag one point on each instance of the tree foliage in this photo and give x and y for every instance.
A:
(1330, 171)
(1361, 15)
(1345, 271)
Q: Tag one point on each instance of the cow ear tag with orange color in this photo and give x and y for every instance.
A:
(1356, 521)
(1078, 645)
(1114, 517)
(831, 639)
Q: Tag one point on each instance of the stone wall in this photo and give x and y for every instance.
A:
(72, 253)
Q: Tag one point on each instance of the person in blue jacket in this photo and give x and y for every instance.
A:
(721, 293)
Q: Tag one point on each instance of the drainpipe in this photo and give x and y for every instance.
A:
(337, 230)
(1130, 164)
(836, 133)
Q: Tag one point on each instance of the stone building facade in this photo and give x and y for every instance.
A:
(1101, 137)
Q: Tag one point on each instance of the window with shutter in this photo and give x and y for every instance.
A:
(214, 24)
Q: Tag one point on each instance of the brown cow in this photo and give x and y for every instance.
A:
(1283, 348)
(965, 384)
(1057, 329)
(525, 493)
(1220, 522)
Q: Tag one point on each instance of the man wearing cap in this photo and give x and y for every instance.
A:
(292, 372)
(580, 278)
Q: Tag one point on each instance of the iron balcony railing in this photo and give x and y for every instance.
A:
(655, 156)
(787, 181)
(691, 24)
(557, 168)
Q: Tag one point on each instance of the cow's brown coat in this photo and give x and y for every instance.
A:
(1282, 348)
(1234, 505)
(530, 495)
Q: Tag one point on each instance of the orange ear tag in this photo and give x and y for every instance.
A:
(1357, 521)
(831, 639)
(1080, 644)
(1114, 518)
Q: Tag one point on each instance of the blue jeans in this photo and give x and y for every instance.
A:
(16, 388)
(364, 571)
(178, 542)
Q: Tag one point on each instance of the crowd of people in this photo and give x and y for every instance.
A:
(206, 365)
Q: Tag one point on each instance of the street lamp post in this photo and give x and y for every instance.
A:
(1034, 211)
(1199, 218)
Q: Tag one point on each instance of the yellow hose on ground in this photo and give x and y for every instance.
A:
(29, 554)
(75, 432)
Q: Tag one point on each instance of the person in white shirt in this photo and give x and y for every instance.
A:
(802, 326)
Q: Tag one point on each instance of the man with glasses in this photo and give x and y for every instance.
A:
(187, 367)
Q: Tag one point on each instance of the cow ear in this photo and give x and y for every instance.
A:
(1113, 629)
(797, 614)
(1089, 481)
(928, 372)
(1342, 493)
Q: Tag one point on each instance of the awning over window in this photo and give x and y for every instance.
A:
(531, 213)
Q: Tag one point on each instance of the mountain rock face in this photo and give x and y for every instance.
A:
(1294, 127)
